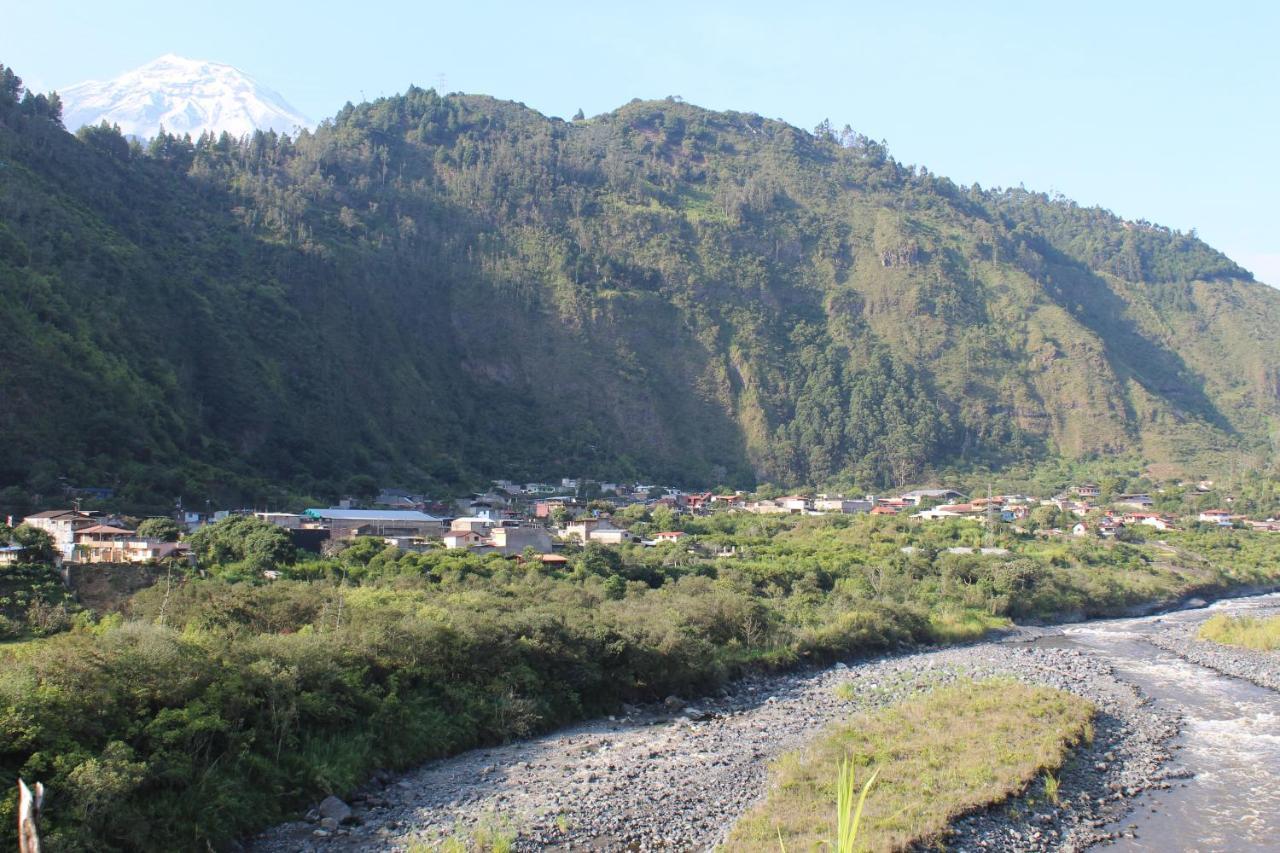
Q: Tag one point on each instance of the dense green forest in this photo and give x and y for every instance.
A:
(438, 289)
(217, 702)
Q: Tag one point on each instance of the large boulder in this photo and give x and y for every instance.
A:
(332, 807)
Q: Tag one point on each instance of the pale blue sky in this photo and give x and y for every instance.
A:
(1165, 111)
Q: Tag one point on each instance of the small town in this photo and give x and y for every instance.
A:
(541, 520)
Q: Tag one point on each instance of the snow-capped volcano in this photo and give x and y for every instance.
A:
(183, 96)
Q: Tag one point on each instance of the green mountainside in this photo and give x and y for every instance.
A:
(437, 289)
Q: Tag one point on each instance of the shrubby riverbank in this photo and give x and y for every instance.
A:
(657, 777)
(222, 703)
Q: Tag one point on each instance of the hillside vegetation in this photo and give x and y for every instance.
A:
(439, 289)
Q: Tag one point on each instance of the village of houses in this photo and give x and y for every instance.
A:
(518, 521)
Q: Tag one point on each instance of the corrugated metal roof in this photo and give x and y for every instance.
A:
(334, 514)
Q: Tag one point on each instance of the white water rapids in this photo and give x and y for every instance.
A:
(1230, 740)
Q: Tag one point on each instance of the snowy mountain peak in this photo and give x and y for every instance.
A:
(182, 96)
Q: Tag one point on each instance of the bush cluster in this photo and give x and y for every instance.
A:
(222, 702)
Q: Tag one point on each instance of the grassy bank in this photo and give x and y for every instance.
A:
(206, 711)
(1249, 632)
(939, 755)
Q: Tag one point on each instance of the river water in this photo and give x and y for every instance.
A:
(1230, 740)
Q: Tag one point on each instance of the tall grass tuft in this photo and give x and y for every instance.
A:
(1051, 785)
(849, 818)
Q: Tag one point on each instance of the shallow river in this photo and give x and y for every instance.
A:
(1230, 740)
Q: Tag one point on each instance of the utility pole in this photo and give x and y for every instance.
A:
(989, 538)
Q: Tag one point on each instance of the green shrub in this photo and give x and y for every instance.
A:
(218, 706)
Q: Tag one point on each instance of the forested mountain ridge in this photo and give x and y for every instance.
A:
(435, 289)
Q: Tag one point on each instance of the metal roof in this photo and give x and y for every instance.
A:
(334, 514)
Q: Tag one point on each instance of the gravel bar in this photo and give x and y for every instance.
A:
(676, 776)
(1261, 668)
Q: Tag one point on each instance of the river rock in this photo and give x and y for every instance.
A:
(333, 809)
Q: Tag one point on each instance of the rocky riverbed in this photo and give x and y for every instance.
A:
(675, 776)
(1261, 668)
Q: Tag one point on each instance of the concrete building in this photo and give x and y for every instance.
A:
(287, 520)
(103, 543)
(847, 506)
(61, 525)
(473, 523)
(1219, 517)
(915, 496)
(455, 539)
(599, 530)
(795, 504)
(511, 541)
(349, 523)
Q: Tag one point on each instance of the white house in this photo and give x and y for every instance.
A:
(951, 511)
(842, 505)
(795, 504)
(1220, 517)
(915, 496)
(61, 525)
(462, 539)
(1159, 522)
(599, 530)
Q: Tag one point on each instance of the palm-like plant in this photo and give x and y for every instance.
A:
(849, 817)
